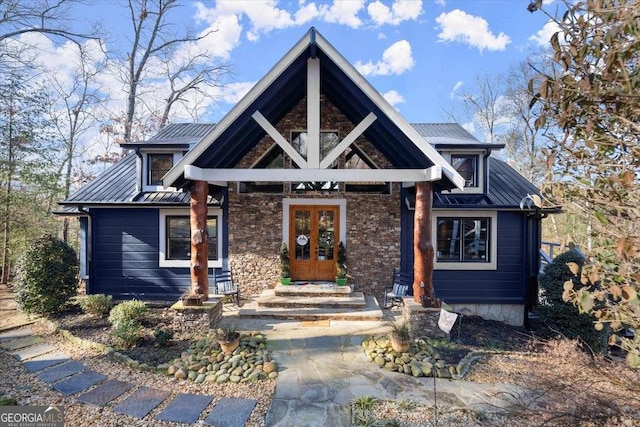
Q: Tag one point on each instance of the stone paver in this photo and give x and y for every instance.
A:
(60, 371)
(231, 412)
(15, 333)
(105, 392)
(79, 382)
(45, 361)
(141, 402)
(185, 408)
(21, 342)
(33, 351)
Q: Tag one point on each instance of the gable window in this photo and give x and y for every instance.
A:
(467, 167)
(328, 141)
(175, 238)
(158, 166)
(273, 159)
(465, 240)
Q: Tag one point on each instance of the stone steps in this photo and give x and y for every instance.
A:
(299, 289)
(314, 308)
(269, 298)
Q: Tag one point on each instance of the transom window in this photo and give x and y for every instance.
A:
(463, 239)
(467, 167)
(158, 166)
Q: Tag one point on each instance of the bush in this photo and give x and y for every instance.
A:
(46, 276)
(126, 320)
(558, 316)
(164, 335)
(128, 311)
(128, 332)
(96, 305)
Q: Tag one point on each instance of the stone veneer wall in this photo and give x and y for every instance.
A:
(255, 220)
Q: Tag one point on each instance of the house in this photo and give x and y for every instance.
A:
(312, 156)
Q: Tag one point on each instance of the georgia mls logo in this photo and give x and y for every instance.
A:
(31, 416)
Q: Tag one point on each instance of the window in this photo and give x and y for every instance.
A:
(465, 240)
(273, 159)
(467, 167)
(328, 141)
(158, 166)
(175, 238)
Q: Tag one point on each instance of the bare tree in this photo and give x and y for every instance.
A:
(154, 38)
(50, 17)
(73, 114)
(483, 104)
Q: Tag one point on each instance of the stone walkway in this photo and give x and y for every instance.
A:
(70, 377)
(322, 368)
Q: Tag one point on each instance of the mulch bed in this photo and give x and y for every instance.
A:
(147, 350)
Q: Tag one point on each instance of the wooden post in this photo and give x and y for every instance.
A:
(199, 239)
(423, 251)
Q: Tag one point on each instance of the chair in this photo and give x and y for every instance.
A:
(224, 285)
(399, 288)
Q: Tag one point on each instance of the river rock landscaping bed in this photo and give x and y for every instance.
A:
(422, 359)
(204, 361)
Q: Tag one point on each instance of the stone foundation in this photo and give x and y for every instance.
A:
(197, 319)
(423, 322)
(510, 314)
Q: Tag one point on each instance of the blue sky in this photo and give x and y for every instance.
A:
(419, 54)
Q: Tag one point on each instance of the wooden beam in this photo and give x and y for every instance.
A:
(348, 140)
(433, 173)
(423, 250)
(279, 139)
(199, 239)
(313, 112)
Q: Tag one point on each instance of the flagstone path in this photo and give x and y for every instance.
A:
(70, 377)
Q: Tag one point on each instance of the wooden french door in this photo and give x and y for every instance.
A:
(313, 239)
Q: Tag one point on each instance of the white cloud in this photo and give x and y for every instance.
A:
(457, 86)
(458, 26)
(393, 97)
(469, 126)
(442, 3)
(542, 37)
(232, 93)
(343, 12)
(400, 11)
(396, 59)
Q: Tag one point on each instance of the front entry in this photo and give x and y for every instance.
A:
(312, 235)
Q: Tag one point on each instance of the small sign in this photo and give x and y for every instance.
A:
(446, 320)
(302, 240)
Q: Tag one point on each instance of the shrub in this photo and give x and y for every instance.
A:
(558, 316)
(127, 331)
(46, 276)
(96, 305)
(163, 335)
(128, 311)
(126, 319)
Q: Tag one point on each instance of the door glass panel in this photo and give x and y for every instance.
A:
(326, 236)
(303, 228)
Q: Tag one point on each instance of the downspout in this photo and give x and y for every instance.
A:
(88, 248)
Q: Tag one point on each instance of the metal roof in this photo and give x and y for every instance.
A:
(506, 189)
(175, 135)
(117, 186)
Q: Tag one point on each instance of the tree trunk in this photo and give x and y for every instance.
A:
(423, 251)
(199, 239)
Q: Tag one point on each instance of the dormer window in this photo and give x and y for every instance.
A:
(155, 165)
(467, 167)
(159, 165)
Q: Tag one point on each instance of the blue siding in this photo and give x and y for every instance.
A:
(505, 285)
(125, 257)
